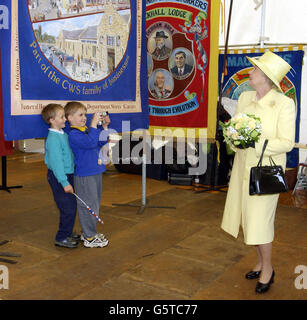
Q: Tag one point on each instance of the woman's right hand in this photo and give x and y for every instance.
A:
(250, 145)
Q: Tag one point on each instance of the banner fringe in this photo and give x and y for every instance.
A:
(281, 48)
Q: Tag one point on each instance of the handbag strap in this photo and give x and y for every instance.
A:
(272, 162)
(263, 148)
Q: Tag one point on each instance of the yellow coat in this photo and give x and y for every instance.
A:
(256, 213)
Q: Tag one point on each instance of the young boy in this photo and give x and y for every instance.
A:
(60, 163)
(89, 167)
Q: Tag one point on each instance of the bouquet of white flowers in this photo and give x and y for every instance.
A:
(242, 130)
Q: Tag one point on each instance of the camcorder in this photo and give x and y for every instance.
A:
(103, 114)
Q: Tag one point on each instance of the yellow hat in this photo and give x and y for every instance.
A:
(274, 67)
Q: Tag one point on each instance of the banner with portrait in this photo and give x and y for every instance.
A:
(236, 81)
(73, 50)
(182, 56)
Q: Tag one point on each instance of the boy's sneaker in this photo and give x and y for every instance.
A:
(67, 243)
(95, 242)
(99, 235)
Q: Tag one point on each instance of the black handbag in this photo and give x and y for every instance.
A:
(267, 179)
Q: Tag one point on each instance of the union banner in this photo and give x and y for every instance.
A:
(6, 147)
(182, 56)
(67, 50)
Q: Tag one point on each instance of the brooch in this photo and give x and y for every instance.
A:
(272, 103)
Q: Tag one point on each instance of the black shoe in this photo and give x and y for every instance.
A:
(253, 275)
(75, 237)
(67, 243)
(264, 287)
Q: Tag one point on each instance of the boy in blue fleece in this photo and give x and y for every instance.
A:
(85, 144)
(60, 163)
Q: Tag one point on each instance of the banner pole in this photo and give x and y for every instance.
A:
(262, 38)
(142, 208)
(219, 107)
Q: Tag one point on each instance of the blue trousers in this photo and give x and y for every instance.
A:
(66, 203)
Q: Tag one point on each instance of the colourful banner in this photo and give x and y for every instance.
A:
(236, 81)
(64, 50)
(6, 147)
(179, 38)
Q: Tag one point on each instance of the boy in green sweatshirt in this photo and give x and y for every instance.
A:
(60, 163)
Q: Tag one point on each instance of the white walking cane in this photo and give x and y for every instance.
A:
(88, 208)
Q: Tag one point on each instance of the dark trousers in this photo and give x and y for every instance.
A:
(66, 203)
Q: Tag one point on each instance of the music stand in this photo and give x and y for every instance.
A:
(143, 205)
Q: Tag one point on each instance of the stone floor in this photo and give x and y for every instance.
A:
(164, 253)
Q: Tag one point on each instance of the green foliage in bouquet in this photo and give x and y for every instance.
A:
(242, 130)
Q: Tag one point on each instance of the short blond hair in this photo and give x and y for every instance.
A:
(72, 107)
(50, 111)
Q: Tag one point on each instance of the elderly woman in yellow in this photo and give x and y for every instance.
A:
(256, 213)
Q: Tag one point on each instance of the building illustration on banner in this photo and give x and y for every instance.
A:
(86, 48)
(42, 10)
